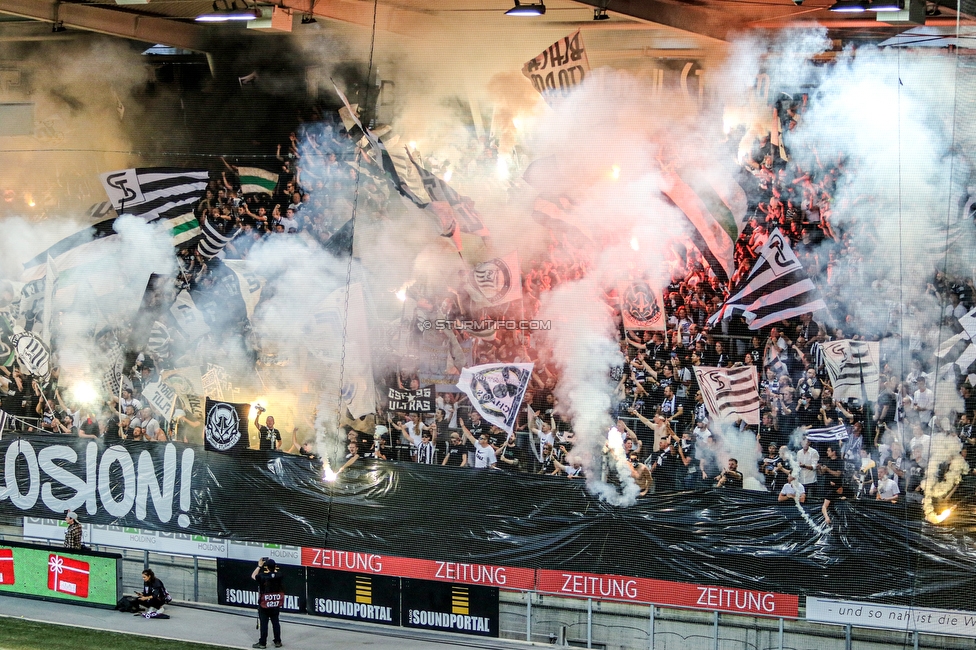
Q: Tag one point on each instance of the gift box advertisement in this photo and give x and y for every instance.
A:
(50, 573)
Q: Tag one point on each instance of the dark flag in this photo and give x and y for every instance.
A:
(412, 401)
(226, 426)
(836, 433)
(776, 288)
(213, 240)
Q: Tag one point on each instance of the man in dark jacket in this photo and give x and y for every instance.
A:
(269, 601)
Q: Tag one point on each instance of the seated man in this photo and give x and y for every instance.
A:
(793, 491)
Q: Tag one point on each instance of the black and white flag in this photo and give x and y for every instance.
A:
(3, 422)
(249, 283)
(496, 390)
(411, 401)
(225, 428)
(960, 350)
(499, 280)
(33, 355)
(853, 369)
(730, 393)
(829, 434)
(213, 240)
(160, 195)
(776, 288)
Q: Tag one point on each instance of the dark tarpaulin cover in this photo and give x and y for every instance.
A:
(875, 551)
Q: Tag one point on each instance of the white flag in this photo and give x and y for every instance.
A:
(249, 282)
(357, 389)
(850, 365)
(161, 397)
(730, 393)
(50, 289)
(499, 280)
(188, 317)
(496, 390)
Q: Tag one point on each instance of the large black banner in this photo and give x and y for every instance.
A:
(355, 596)
(225, 429)
(730, 538)
(448, 607)
(235, 586)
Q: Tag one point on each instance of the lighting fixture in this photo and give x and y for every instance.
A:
(308, 19)
(230, 12)
(600, 14)
(850, 6)
(885, 5)
(527, 10)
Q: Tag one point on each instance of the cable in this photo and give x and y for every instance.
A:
(345, 316)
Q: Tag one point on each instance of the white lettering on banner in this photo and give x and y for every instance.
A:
(135, 488)
(471, 573)
(353, 610)
(892, 617)
(735, 599)
(599, 586)
(449, 621)
(347, 561)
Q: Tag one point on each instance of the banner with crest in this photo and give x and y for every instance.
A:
(496, 390)
(642, 307)
(498, 280)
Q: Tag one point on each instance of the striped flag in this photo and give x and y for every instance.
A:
(395, 164)
(255, 180)
(161, 195)
(3, 422)
(853, 369)
(716, 212)
(159, 340)
(776, 288)
(828, 434)
(213, 240)
(730, 393)
(962, 356)
(444, 198)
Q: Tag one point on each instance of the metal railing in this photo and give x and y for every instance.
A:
(544, 618)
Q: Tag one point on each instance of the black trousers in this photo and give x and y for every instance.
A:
(265, 615)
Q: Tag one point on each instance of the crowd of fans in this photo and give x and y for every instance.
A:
(665, 430)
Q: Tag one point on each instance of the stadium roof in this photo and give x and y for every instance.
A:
(638, 27)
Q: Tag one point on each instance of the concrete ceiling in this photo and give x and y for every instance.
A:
(646, 25)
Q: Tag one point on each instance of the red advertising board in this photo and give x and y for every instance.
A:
(672, 594)
(6, 566)
(563, 583)
(458, 572)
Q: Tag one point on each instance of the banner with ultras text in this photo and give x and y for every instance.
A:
(569, 584)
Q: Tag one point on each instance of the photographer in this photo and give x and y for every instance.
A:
(270, 600)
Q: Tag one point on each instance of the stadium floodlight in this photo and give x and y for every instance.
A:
(850, 6)
(229, 13)
(527, 10)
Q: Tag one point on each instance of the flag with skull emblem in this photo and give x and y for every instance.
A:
(496, 390)
(641, 307)
(226, 426)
